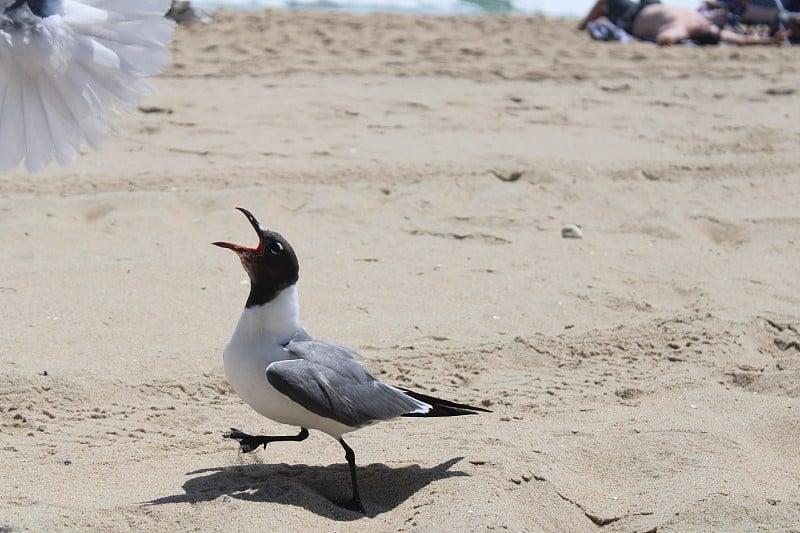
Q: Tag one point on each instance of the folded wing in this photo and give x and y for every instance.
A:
(328, 382)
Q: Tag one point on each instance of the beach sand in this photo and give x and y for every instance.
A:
(645, 377)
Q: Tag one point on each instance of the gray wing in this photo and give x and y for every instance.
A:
(307, 347)
(326, 381)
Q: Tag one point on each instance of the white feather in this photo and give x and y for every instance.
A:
(62, 123)
(63, 75)
(38, 139)
(12, 144)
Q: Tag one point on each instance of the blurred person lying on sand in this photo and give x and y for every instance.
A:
(650, 20)
(739, 13)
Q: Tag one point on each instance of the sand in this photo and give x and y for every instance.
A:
(643, 378)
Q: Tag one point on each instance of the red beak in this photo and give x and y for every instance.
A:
(238, 248)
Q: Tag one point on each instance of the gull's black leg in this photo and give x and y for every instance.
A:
(355, 502)
(248, 443)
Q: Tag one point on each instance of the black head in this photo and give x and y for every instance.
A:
(40, 8)
(707, 35)
(272, 265)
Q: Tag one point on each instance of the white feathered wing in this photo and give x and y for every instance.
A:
(61, 76)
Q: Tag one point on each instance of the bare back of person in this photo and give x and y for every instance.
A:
(667, 24)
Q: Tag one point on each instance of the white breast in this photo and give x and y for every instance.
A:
(257, 342)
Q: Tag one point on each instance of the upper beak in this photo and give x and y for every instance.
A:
(238, 248)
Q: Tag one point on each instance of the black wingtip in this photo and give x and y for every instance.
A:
(442, 407)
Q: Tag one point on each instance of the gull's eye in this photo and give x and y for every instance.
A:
(275, 247)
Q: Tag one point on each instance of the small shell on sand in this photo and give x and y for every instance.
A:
(572, 231)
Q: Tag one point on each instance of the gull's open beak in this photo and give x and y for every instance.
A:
(239, 249)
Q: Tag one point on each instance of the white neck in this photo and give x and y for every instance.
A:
(279, 318)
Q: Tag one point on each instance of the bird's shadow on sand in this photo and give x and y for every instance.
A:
(314, 488)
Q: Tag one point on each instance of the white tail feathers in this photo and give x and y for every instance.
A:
(62, 75)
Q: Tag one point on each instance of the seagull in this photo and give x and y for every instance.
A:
(65, 64)
(288, 376)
